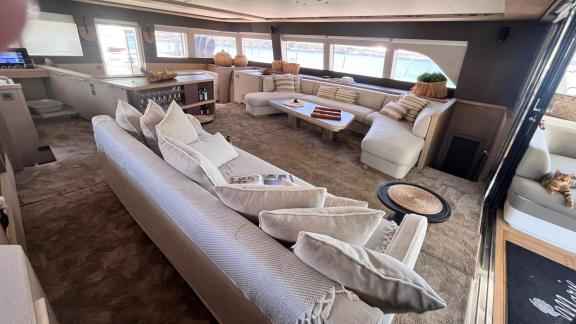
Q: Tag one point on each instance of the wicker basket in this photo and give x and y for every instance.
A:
(223, 59)
(432, 90)
(292, 68)
(240, 60)
(277, 66)
(563, 106)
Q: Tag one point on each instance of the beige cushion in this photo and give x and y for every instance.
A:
(378, 279)
(394, 110)
(284, 83)
(216, 149)
(128, 118)
(152, 116)
(347, 96)
(423, 120)
(195, 123)
(413, 105)
(326, 92)
(176, 125)
(297, 83)
(250, 200)
(350, 224)
(333, 201)
(190, 162)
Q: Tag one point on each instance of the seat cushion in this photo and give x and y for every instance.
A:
(530, 197)
(359, 112)
(262, 98)
(392, 141)
(216, 149)
(152, 116)
(128, 118)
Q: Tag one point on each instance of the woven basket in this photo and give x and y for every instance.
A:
(292, 68)
(277, 66)
(432, 90)
(563, 106)
(415, 199)
(223, 59)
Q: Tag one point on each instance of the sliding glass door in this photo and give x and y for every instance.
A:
(121, 48)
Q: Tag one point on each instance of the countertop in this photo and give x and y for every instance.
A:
(141, 83)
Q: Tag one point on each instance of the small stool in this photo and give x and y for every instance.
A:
(408, 198)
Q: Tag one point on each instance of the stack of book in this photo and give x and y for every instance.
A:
(327, 113)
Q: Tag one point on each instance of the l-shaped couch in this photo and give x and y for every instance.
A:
(241, 274)
(390, 146)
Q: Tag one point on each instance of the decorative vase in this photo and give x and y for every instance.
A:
(277, 66)
(223, 59)
(292, 68)
(240, 60)
(432, 90)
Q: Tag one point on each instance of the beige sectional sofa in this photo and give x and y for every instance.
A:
(390, 146)
(240, 273)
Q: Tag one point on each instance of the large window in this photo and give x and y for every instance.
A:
(307, 54)
(208, 45)
(258, 50)
(171, 44)
(52, 35)
(360, 60)
(409, 65)
(121, 47)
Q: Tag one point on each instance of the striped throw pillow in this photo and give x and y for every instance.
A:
(297, 83)
(346, 96)
(284, 83)
(326, 92)
(413, 105)
(394, 110)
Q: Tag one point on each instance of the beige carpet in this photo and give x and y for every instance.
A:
(97, 266)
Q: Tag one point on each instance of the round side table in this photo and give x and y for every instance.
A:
(409, 198)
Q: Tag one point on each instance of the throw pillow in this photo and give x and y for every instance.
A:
(196, 123)
(378, 279)
(177, 126)
(190, 162)
(349, 224)
(152, 116)
(250, 199)
(394, 110)
(298, 83)
(216, 149)
(346, 96)
(128, 118)
(284, 83)
(327, 92)
(422, 122)
(334, 201)
(413, 104)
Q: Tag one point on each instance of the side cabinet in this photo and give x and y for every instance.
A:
(246, 82)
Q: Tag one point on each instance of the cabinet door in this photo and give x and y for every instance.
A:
(245, 83)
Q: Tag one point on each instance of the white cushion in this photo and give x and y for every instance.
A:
(216, 149)
(196, 124)
(393, 141)
(176, 125)
(350, 224)
(128, 118)
(334, 201)
(190, 162)
(152, 116)
(378, 279)
(250, 200)
(262, 98)
(359, 112)
(422, 122)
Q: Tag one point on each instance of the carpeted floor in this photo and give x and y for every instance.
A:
(97, 266)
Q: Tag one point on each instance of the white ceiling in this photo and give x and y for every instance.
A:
(331, 10)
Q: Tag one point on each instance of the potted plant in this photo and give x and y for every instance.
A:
(431, 85)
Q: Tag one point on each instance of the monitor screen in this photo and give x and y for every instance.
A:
(11, 58)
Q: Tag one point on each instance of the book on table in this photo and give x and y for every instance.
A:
(266, 179)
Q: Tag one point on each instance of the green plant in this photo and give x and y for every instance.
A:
(432, 77)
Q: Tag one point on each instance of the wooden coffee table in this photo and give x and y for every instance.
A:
(330, 128)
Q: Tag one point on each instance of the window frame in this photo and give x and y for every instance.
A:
(140, 42)
(174, 29)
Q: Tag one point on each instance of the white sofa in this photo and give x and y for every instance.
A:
(529, 208)
(390, 146)
(241, 274)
